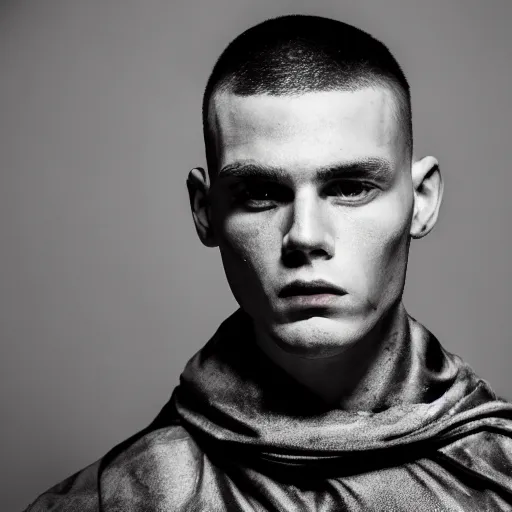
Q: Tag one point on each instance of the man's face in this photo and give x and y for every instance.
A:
(312, 187)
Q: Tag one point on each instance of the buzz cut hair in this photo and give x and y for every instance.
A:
(296, 54)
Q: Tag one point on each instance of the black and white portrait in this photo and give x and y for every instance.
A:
(255, 255)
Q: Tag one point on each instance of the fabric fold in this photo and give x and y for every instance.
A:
(232, 397)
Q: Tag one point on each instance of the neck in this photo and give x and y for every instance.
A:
(367, 376)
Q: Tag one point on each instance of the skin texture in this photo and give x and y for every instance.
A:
(351, 229)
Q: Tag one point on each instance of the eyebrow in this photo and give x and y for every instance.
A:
(373, 168)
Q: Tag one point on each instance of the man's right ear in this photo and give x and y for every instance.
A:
(198, 185)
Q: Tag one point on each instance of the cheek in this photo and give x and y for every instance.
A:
(244, 238)
(247, 246)
(384, 240)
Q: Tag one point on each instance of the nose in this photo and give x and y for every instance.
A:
(309, 233)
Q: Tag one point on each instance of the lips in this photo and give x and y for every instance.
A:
(317, 287)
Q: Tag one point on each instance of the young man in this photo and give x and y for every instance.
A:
(320, 392)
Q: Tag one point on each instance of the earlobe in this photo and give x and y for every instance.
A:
(198, 188)
(428, 193)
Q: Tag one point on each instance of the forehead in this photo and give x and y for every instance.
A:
(308, 130)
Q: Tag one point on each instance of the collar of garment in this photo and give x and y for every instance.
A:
(233, 399)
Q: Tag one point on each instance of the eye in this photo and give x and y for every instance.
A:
(350, 190)
(260, 195)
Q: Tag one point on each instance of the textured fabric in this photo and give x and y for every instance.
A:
(239, 434)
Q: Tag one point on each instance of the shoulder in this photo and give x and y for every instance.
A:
(151, 449)
(78, 492)
(483, 448)
(162, 466)
(140, 462)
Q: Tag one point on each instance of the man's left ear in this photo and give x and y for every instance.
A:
(428, 193)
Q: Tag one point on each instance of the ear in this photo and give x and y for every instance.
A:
(198, 185)
(428, 193)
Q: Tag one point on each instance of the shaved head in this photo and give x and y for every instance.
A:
(294, 55)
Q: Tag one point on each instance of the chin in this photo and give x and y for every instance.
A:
(318, 336)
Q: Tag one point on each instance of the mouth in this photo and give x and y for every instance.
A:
(312, 289)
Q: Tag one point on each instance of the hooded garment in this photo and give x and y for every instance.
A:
(239, 434)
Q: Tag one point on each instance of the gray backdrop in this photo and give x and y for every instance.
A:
(105, 292)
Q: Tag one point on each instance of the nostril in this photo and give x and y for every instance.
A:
(318, 253)
(294, 259)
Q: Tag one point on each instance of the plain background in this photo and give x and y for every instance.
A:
(105, 291)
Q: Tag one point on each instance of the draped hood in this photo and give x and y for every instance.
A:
(240, 434)
(234, 399)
